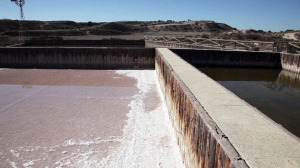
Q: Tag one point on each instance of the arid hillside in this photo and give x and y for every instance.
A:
(9, 30)
(11, 27)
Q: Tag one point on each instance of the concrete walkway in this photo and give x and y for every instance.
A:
(259, 140)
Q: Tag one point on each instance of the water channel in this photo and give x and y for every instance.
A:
(276, 93)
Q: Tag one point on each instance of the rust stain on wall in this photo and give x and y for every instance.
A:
(77, 58)
(201, 142)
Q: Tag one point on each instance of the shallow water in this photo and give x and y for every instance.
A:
(276, 93)
(84, 118)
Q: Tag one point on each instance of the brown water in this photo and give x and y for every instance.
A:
(276, 93)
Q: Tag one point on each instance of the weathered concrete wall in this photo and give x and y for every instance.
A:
(245, 59)
(290, 62)
(201, 142)
(77, 58)
(85, 42)
(230, 58)
(199, 56)
(214, 127)
(155, 44)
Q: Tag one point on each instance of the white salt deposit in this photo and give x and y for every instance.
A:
(13, 164)
(28, 164)
(15, 153)
(149, 137)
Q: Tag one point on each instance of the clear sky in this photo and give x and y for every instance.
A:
(275, 15)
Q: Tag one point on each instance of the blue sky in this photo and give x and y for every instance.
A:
(275, 15)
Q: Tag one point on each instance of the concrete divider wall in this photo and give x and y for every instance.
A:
(201, 142)
(290, 62)
(214, 127)
(230, 58)
(77, 58)
(245, 59)
(85, 42)
(156, 44)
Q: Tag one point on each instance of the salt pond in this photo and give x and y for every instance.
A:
(84, 118)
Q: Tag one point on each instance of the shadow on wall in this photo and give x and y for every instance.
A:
(217, 58)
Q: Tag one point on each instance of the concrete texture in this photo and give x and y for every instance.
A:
(120, 43)
(84, 118)
(231, 59)
(256, 138)
(290, 62)
(157, 44)
(201, 142)
(244, 59)
(77, 58)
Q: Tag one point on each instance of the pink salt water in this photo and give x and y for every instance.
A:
(84, 118)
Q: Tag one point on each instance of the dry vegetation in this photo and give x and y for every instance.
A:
(9, 30)
(298, 35)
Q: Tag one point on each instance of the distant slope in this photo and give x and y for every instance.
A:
(9, 25)
(191, 26)
(292, 36)
(35, 28)
(202, 29)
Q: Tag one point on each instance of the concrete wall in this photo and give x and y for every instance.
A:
(199, 56)
(230, 58)
(214, 127)
(244, 59)
(77, 58)
(201, 142)
(290, 62)
(155, 44)
(85, 42)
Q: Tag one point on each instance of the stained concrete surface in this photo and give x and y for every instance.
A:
(259, 140)
(77, 58)
(84, 118)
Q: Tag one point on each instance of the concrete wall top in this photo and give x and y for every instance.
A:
(258, 139)
(84, 42)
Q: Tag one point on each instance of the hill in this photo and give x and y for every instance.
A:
(190, 26)
(11, 27)
(9, 30)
